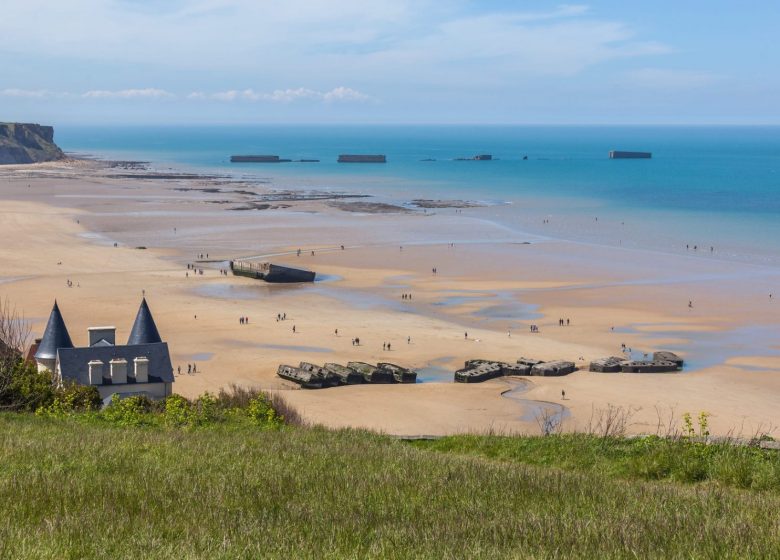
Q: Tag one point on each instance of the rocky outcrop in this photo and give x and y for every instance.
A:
(27, 143)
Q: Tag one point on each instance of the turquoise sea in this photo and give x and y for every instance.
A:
(706, 186)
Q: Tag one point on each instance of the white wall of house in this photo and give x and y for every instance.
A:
(156, 390)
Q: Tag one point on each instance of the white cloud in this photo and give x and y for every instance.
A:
(28, 93)
(289, 95)
(282, 39)
(146, 93)
(344, 94)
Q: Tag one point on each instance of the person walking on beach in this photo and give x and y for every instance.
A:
(388, 346)
(408, 339)
(563, 395)
(466, 335)
(384, 346)
(293, 329)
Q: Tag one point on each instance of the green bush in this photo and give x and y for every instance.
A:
(28, 389)
(262, 413)
(130, 411)
(178, 411)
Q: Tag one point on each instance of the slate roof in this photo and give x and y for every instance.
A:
(144, 329)
(54, 337)
(74, 361)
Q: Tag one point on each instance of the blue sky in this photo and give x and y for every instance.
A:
(389, 61)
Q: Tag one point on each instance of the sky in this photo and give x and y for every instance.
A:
(389, 61)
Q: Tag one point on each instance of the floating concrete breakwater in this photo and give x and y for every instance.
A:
(622, 154)
(270, 272)
(312, 376)
(662, 362)
(477, 371)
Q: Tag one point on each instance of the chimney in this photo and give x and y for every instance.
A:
(118, 371)
(96, 334)
(141, 369)
(95, 372)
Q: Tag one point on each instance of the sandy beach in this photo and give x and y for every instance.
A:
(61, 222)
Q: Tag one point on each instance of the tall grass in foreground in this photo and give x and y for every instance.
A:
(647, 458)
(71, 489)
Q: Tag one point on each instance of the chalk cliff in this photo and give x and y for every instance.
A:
(27, 143)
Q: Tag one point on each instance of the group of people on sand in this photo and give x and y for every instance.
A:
(191, 368)
(243, 320)
(281, 317)
(78, 285)
(386, 346)
(534, 328)
(696, 248)
(564, 322)
(194, 270)
(406, 296)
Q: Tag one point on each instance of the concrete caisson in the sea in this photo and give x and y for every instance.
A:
(329, 379)
(621, 154)
(269, 272)
(304, 378)
(666, 356)
(554, 368)
(478, 372)
(372, 374)
(362, 158)
(640, 366)
(400, 374)
(347, 376)
(530, 362)
(258, 159)
(612, 364)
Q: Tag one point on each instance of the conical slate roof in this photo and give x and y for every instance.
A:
(55, 336)
(144, 330)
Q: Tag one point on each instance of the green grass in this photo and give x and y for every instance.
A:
(650, 458)
(74, 489)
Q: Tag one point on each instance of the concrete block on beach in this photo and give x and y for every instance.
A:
(640, 366)
(554, 368)
(478, 373)
(612, 364)
(665, 356)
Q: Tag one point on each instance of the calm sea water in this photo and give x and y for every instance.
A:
(710, 186)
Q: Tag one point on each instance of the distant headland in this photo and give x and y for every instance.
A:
(27, 143)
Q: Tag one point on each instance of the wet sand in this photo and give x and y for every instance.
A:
(491, 284)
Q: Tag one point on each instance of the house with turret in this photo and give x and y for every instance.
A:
(140, 367)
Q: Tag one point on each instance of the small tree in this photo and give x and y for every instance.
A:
(14, 336)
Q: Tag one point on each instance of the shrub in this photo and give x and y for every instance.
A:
(79, 398)
(206, 409)
(130, 411)
(178, 411)
(261, 412)
(28, 389)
